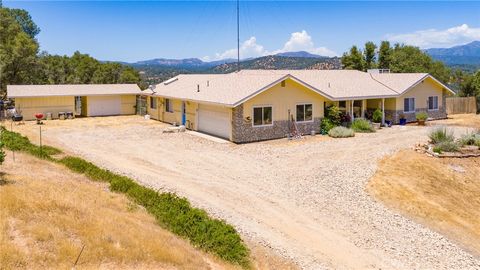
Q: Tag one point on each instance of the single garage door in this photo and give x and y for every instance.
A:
(214, 120)
(104, 105)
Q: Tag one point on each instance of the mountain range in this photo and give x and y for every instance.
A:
(465, 56)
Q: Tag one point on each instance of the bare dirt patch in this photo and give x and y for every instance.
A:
(441, 193)
(465, 120)
(304, 199)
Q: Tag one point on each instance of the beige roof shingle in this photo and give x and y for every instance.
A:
(14, 91)
(234, 88)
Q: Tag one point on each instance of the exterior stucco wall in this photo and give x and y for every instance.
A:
(30, 106)
(128, 104)
(155, 113)
(420, 93)
(283, 99)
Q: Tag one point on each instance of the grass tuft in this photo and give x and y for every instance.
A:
(441, 134)
(362, 126)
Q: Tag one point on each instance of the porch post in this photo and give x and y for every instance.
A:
(351, 109)
(383, 111)
(364, 105)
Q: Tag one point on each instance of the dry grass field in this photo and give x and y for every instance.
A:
(49, 213)
(440, 193)
(465, 120)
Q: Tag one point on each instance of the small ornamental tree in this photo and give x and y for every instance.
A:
(377, 116)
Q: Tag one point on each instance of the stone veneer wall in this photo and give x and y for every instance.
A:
(395, 115)
(243, 131)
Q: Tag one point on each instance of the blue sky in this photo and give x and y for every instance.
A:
(138, 30)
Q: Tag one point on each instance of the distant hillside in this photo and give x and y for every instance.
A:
(300, 54)
(281, 62)
(158, 70)
(464, 56)
(188, 63)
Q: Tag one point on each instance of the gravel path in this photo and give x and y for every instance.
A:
(305, 199)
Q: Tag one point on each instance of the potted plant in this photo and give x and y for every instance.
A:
(403, 120)
(377, 118)
(421, 118)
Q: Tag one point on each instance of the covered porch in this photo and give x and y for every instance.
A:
(364, 108)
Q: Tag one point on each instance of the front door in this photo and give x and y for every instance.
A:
(184, 113)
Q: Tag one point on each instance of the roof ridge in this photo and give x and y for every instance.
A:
(373, 78)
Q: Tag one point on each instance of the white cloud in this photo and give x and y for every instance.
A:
(302, 41)
(438, 38)
(299, 41)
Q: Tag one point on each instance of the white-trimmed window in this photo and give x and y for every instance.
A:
(408, 105)
(153, 103)
(433, 103)
(262, 115)
(168, 105)
(304, 112)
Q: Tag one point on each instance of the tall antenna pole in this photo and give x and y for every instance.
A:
(238, 35)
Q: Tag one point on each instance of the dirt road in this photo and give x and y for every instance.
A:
(305, 199)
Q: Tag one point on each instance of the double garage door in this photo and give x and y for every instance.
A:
(214, 120)
(104, 105)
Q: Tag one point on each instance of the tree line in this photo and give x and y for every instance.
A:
(21, 62)
(403, 58)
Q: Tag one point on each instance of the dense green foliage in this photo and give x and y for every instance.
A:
(421, 116)
(441, 134)
(362, 126)
(16, 142)
(173, 212)
(21, 62)
(333, 118)
(377, 116)
(341, 132)
(400, 58)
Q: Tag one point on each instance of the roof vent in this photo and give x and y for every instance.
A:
(378, 70)
(169, 81)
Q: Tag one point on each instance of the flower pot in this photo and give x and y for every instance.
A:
(421, 122)
(376, 125)
(403, 122)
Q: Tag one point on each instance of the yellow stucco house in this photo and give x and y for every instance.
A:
(78, 99)
(254, 105)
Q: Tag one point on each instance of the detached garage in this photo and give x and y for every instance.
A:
(80, 99)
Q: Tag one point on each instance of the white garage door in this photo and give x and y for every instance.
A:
(214, 120)
(104, 105)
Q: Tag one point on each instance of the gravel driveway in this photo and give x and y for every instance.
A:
(305, 199)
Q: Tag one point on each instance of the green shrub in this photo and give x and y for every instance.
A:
(470, 139)
(341, 132)
(377, 116)
(421, 116)
(362, 125)
(446, 146)
(334, 114)
(16, 142)
(326, 125)
(174, 213)
(441, 134)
